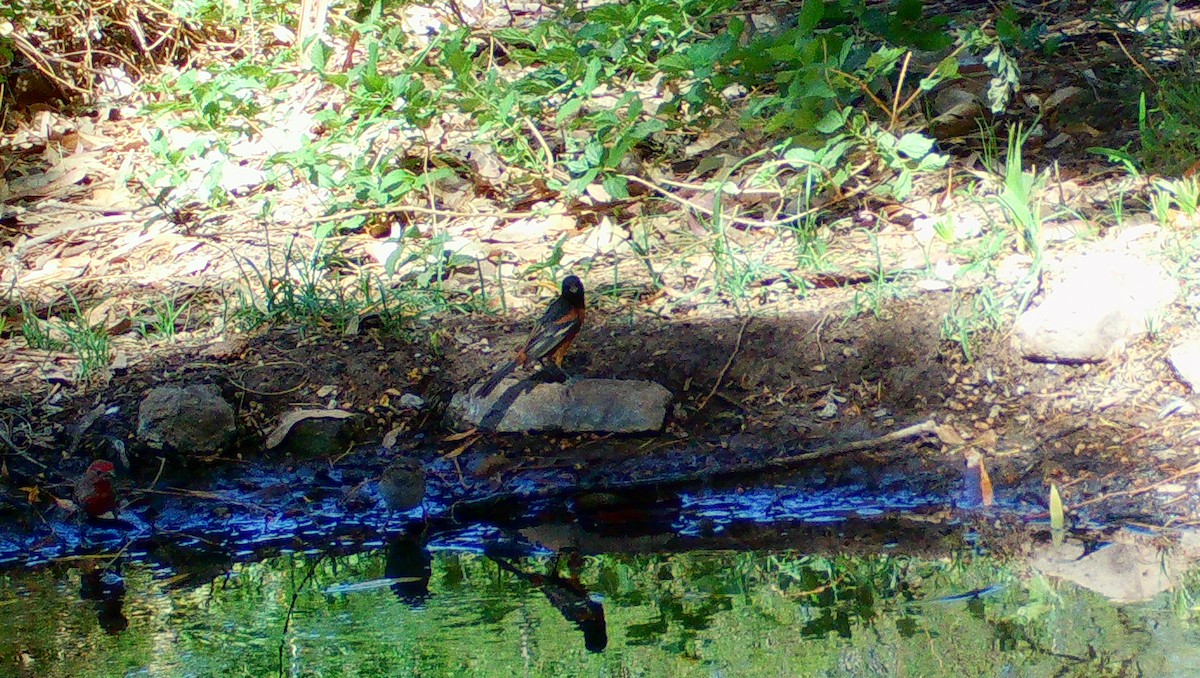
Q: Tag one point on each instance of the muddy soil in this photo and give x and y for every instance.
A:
(750, 395)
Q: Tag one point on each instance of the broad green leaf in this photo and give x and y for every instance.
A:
(617, 187)
(569, 108)
(915, 145)
(811, 13)
(1057, 516)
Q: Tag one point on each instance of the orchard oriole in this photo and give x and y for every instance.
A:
(551, 336)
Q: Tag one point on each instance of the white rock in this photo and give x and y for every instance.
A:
(1103, 300)
(1185, 360)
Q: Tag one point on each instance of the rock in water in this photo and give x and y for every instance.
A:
(585, 406)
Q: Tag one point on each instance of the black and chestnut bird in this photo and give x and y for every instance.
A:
(551, 336)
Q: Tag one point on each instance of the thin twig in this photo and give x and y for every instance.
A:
(895, 111)
(21, 248)
(724, 370)
(923, 428)
(1136, 64)
(545, 147)
(416, 209)
(1189, 471)
(162, 464)
(752, 223)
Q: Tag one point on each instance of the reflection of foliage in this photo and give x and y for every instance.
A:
(683, 614)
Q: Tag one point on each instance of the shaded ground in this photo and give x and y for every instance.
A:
(829, 356)
(796, 383)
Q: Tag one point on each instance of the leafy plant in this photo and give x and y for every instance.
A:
(1020, 197)
(964, 321)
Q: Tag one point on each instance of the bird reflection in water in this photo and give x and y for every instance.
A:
(568, 595)
(409, 564)
(106, 588)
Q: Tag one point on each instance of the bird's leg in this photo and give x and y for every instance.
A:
(560, 375)
(550, 372)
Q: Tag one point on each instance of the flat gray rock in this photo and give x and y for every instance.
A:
(587, 405)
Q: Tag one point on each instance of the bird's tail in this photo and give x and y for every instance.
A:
(497, 376)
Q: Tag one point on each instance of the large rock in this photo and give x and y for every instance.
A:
(588, 405)
(1185, 359)
(192, 419)
(1103, 300)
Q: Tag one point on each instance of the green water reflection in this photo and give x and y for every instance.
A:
(690, 614)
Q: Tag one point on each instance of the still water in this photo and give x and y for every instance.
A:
(445, 608)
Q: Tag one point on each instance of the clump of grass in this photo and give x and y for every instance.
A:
(966, 320)
(1020, 197)
(163, 320)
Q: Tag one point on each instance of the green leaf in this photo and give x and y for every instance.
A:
(647, 127)
(1057, 516)
(915, 145)
(617, 187)
(947, 69)
(569, 108)
(591, 78)
(832, 122)
(909, 10)
(594, 154)
(319, 54)
(811, 13)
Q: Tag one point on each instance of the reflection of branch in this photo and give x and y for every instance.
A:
(287, 620)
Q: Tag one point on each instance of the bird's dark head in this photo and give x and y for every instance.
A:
(572, 290)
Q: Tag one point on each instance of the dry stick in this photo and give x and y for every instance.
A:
(81, 207)
(753, 223)
(162, 464)
(1189, 471)
(724, 370)
(895, 112)
(542, 142)
(211, 496)
(428, 210)
(925, 427)
(1136, 64)
(21, 248)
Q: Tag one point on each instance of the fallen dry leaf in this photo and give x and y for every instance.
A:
(461, 448)
(454, 437)
(295, 417)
